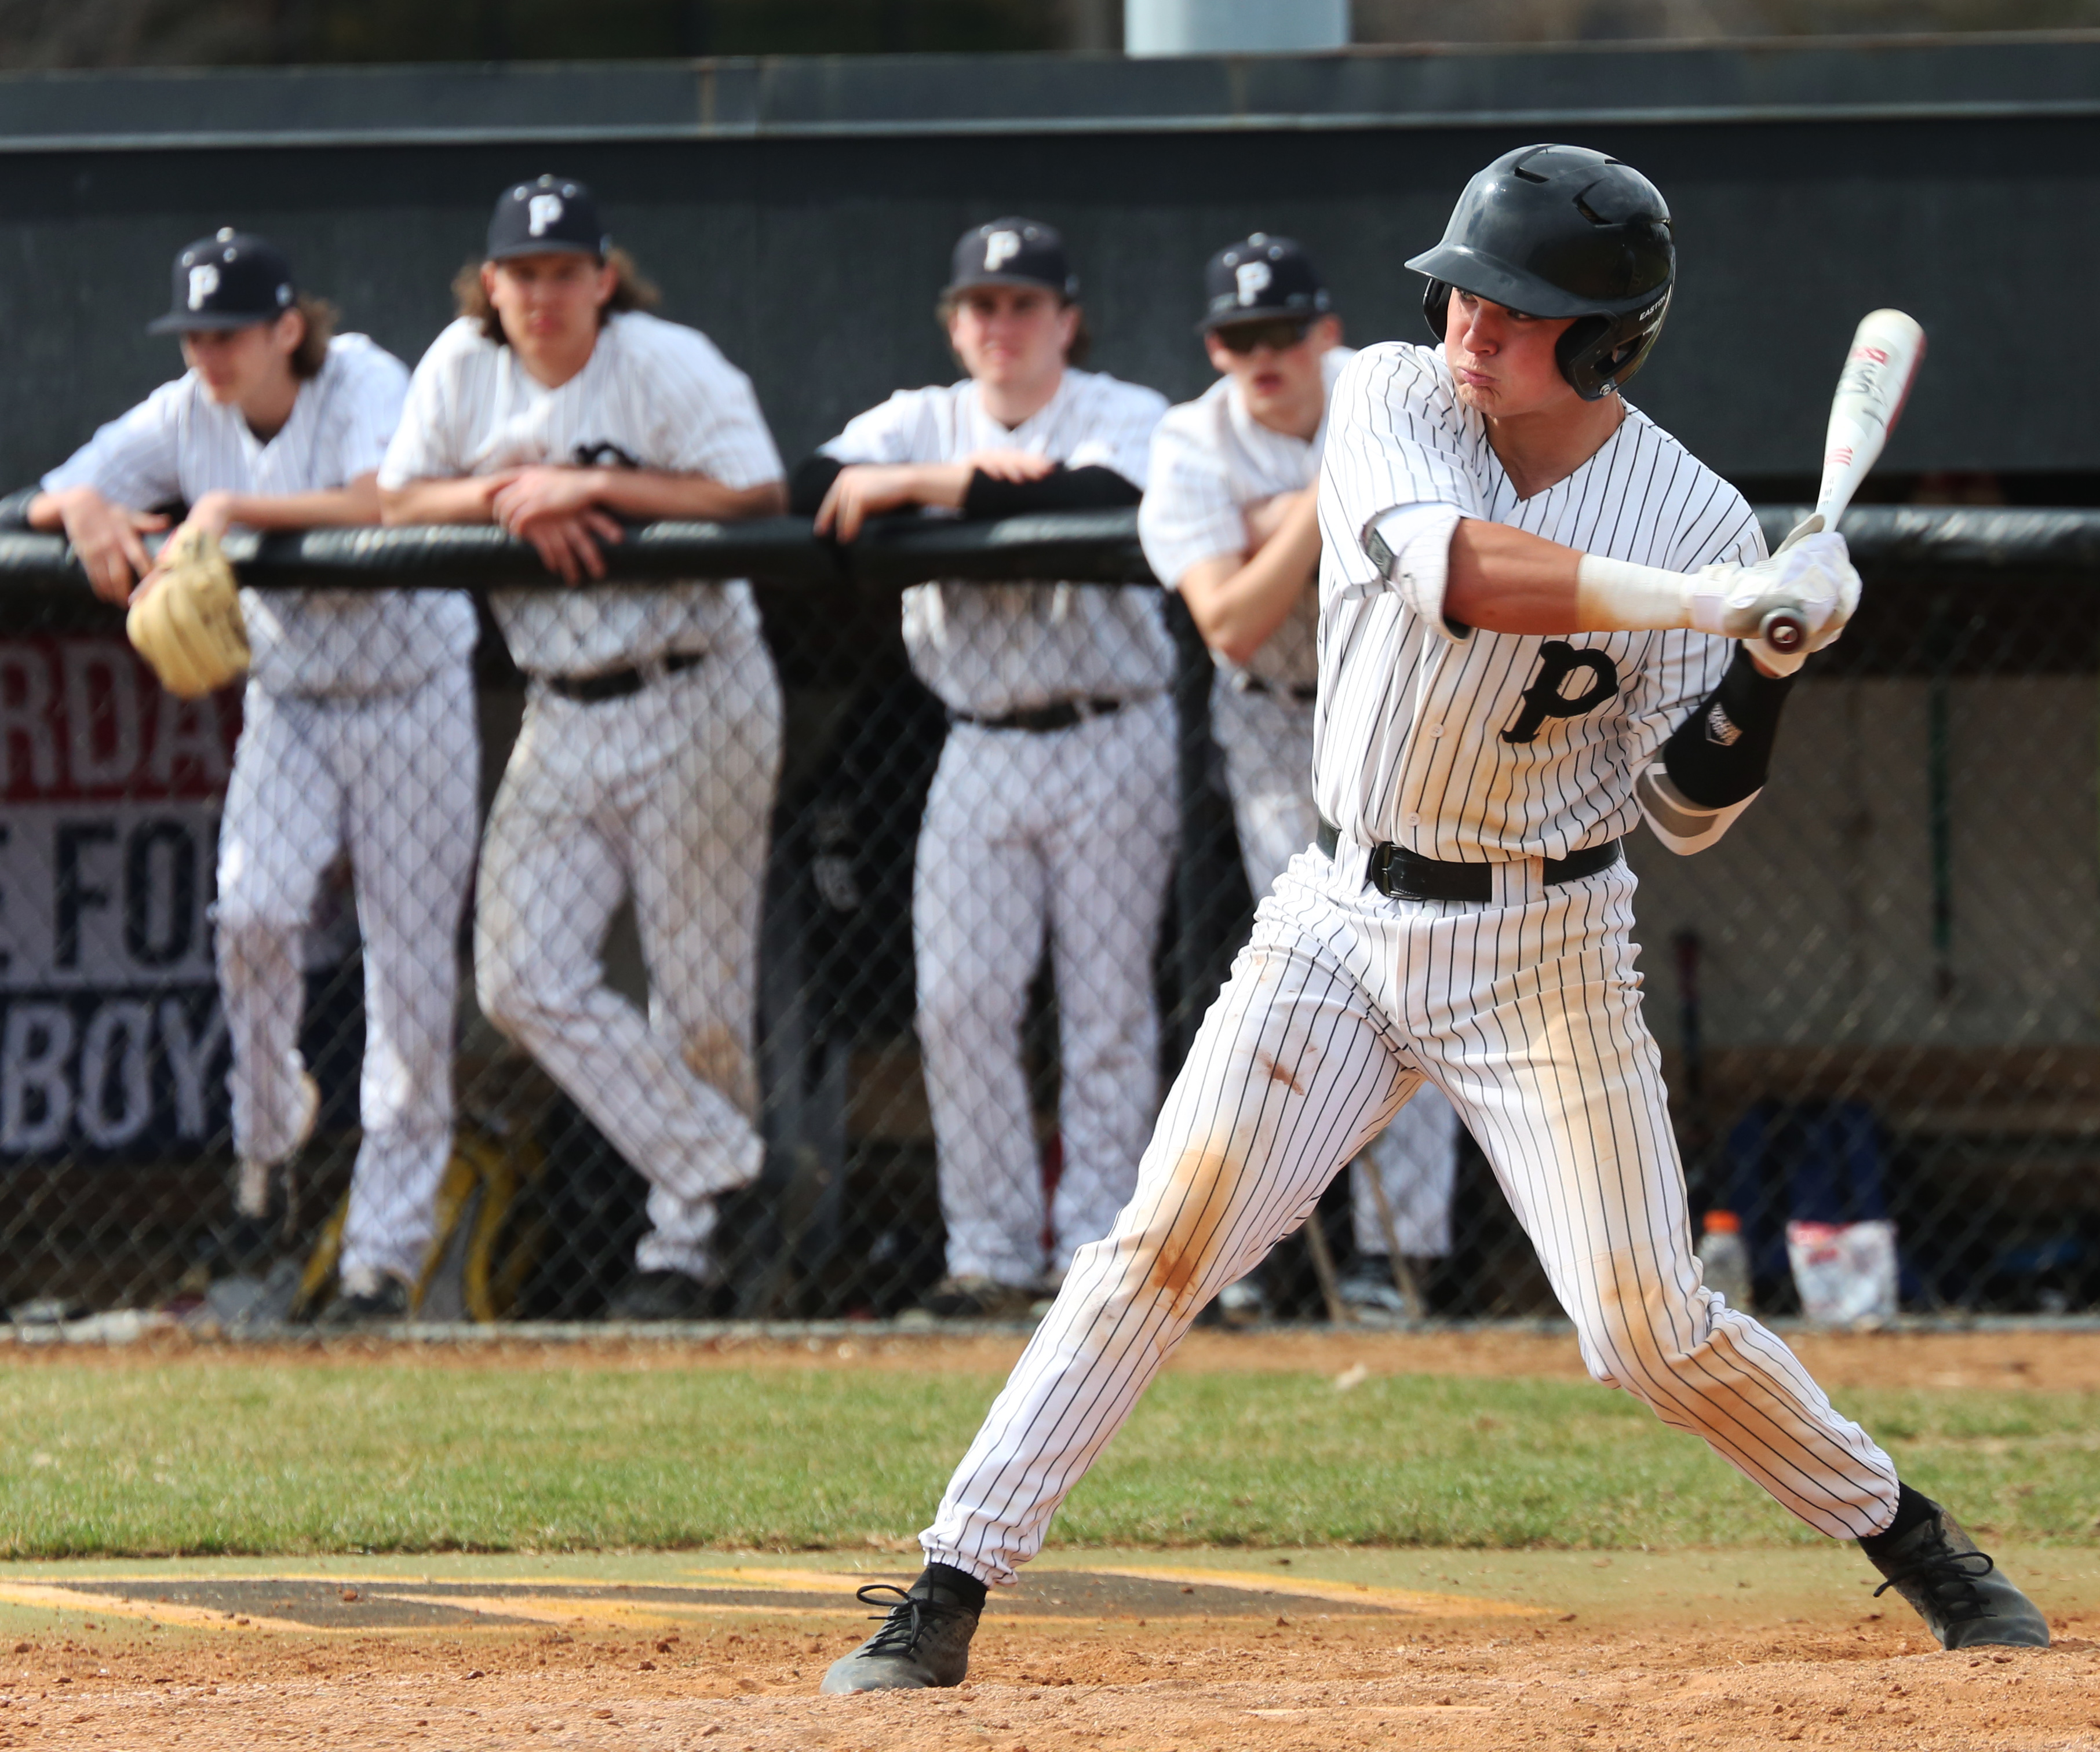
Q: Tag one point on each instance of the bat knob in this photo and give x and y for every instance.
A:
(1783, 632)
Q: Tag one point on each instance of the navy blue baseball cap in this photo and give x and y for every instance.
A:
(1258, 279)
(230, 280)
(551, 215)
(1013, 252)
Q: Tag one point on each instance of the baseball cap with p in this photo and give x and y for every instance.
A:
(1260, 278)
(1012, 252)
(551, 215)
(231, 279)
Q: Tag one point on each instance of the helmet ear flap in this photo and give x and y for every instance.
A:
(1435, 302)
(1575, 353)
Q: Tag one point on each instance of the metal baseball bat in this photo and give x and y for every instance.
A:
(1887, 348)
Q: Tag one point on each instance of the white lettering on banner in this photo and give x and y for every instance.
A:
(191, 1052)
(115, 896)
(115, 1102)
(188, 736)
(111, 1073)
(36, 1099)
(103, 742)
(26, 730)
(111, 1037)
(82, 717)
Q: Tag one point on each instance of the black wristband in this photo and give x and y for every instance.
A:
(1721, 754)
(1093, 488)
(811, 480)
(15, 508)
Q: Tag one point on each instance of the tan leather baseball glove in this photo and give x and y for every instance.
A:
(188, 625)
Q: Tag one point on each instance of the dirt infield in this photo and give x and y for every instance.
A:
(1480, 1651)
(1130, 1650)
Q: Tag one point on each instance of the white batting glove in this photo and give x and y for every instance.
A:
(1813, 581)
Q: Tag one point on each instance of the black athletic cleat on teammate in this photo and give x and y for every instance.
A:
(1963, 1596)
(368, 1298)
(667, 1296)
(924, 1642)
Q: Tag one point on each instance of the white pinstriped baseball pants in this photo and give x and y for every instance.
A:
(391, 778)
(1525, 1010)
(1267, 740)
(1071, 832)
(670, 793)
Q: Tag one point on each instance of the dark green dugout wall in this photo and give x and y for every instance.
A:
(801, 212)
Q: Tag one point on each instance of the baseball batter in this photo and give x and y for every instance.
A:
(1229, 521)
(358, 732)
(650, 745)
(1052, 809)
(1539, 615)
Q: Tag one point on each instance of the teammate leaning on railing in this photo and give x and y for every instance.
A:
(1053, 807)
(357, 735)
(646, 762)
(1489, 693)
(1228, 521)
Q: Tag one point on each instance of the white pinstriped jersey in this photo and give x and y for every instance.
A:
(178, 444)
(991, 649)
(654, 395)
(1493, 746)
(1211, 460)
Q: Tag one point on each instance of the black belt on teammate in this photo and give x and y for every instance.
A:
(1400, 875)
(1059, 715)
(1303, 691)
(618, 684)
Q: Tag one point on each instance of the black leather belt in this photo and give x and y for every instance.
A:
(1303, 691)
(618, 684)
(1400, 875)
(1059, 715)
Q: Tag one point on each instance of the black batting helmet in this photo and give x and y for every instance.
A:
(1561, 231)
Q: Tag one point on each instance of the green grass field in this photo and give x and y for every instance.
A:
(271, 1455)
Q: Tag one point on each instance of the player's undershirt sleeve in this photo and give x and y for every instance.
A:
(132, 461)
(896, 431)
(1093, 488)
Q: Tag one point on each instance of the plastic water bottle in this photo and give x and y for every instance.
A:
(1726, 1261)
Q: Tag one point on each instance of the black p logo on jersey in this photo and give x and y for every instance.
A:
(1547, 697)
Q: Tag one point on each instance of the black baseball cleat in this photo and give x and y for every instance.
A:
(924, 1642)
(665, 1296)
(368, 1298)
(1965, 1599)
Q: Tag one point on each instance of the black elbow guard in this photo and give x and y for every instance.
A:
(1720, 755)
(811, 480)
(1092, 488)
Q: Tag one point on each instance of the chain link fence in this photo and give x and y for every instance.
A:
(658, 1003)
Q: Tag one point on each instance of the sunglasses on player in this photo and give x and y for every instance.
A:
(1279, 334)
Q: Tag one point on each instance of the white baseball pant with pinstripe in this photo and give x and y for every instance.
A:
(1267, 739)
(666, 794)
(1525, 1012)
(389, 778)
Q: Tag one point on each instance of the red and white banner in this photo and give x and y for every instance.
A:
(110, 790)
